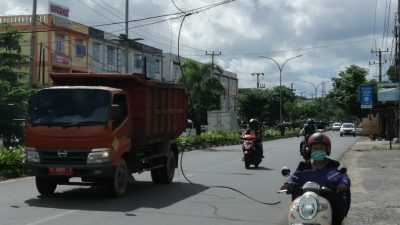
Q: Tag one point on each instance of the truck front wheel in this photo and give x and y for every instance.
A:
(165, 174)
(119, 182)
(45, 186)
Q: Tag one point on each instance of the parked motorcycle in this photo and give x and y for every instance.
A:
(251, 155)
(310, 207)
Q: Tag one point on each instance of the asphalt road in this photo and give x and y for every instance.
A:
(179, 203)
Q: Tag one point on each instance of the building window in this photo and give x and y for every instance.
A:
(138, 64)
(80, 49)
(110, 55)
(158, 64)
(60, 43)
(96, 51)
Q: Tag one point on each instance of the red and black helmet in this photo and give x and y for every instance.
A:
(320, 138)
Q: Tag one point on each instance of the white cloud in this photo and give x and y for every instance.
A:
(331, 35)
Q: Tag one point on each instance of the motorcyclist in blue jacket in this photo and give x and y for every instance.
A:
(324, 171)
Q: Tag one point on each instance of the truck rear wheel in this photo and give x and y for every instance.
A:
(45, 186)
(165, 174)
(119, 182)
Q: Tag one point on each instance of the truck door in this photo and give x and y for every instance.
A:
(121, 125)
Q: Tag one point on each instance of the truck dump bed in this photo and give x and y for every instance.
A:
(158, 111)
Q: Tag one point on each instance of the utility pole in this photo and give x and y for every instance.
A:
(323, 89)
(212, 57)
(397, 41)
(126, 36)
(32, 68)
(379, 53)
(258, 80)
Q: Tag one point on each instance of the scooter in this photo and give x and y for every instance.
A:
(250, 154)
(304, 150)
(310, 207)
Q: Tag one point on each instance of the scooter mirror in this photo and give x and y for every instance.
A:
(285, 171)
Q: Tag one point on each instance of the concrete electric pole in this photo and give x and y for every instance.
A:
(212, 57)
(32, 68)
(258, 80)
(126, 36)
(379, 53)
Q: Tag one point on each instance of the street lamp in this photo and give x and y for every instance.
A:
(315, 87)
(280, 67)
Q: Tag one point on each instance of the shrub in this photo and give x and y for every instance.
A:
(11, 162)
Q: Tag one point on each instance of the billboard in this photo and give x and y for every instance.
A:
(388, 92)
(58, 10)
(366, 98)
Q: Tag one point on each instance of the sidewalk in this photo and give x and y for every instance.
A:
(374, 171)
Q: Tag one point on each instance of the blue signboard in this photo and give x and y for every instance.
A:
(366, 97)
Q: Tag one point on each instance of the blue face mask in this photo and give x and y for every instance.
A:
(318, 155)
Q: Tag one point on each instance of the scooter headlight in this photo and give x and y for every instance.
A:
(308, 207)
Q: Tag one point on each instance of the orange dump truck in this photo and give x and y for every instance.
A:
(102, 128)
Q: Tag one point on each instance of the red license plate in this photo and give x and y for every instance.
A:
(60, 171)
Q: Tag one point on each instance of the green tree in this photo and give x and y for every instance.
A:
(393, 73)
(264, 104)
(253, 104)
(204, 91)
(292, 109)
(274, 105)
(13, 94)
(345, 92)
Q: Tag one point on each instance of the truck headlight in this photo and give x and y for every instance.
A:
(99, 155)
(308, 207)
(31, 155)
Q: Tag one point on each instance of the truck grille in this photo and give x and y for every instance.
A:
(63, 156)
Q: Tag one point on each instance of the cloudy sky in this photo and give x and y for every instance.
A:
(330, 35)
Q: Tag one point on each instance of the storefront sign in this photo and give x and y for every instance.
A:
(59, 59)
(58, 10)
(388, 92)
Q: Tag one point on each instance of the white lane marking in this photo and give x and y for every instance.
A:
(52, 217)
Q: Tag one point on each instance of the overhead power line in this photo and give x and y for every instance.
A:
(179, 14)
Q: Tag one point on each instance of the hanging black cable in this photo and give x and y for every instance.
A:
(181, 167)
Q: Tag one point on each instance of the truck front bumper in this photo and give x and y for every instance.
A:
(85, 170)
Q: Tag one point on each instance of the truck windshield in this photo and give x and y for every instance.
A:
(70, 107)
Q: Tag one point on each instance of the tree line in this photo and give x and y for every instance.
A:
(204, 91)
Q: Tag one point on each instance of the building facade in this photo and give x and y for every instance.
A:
(61, 45)
(66, 46)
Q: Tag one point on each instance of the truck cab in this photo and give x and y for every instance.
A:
(102, 134)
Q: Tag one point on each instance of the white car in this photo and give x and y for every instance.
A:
(336, 126)
(348, 129)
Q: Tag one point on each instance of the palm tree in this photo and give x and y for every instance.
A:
(204, 90)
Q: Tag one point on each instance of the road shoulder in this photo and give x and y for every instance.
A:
(375, 183)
